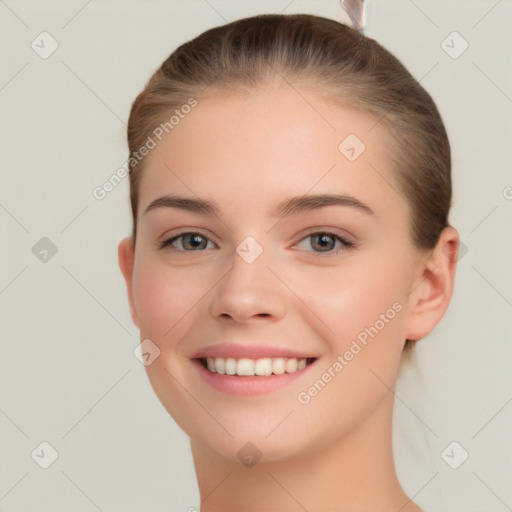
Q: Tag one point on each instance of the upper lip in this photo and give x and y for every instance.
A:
(238, 351)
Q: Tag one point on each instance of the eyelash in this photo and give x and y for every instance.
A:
(346, 244)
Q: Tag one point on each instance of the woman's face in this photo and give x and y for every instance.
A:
(270, 275)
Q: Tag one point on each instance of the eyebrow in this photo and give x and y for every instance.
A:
(288, 207)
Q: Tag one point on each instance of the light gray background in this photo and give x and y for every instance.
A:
(68, 375)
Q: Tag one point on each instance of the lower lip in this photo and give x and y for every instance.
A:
(247, 386)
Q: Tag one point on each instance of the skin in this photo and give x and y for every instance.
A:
(248, 152)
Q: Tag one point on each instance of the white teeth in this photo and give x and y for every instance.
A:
(220, 365)
(291, 365)
(263, 366)
(245, 367)
(230, 366)
(279, 365)
(250, 367)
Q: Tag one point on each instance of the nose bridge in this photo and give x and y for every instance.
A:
(249, 289)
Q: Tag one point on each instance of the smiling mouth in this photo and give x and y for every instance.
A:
(263, 367)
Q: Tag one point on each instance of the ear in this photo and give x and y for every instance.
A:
(431, 296)
(126, 257)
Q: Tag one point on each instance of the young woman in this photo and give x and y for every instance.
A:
(290, 190)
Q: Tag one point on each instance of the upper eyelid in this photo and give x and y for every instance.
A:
(311, 231)
(179, 231)
(332, 231)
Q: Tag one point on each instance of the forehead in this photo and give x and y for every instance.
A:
(269, 144)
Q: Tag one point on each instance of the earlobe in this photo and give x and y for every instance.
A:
(431, 295)
(126, 258)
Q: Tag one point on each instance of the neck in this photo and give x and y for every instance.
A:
(355, 474)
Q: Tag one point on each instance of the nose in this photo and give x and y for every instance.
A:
(249, 291)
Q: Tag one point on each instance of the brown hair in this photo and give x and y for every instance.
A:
(320, 54)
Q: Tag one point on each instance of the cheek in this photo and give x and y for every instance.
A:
(347, 300)
(163, 296)
(363, 309)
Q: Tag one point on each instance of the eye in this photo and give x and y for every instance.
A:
(320, 241)
(189, 241)
(325, 242)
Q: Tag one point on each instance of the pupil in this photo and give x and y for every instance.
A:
(195, 241)
(325, 239)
